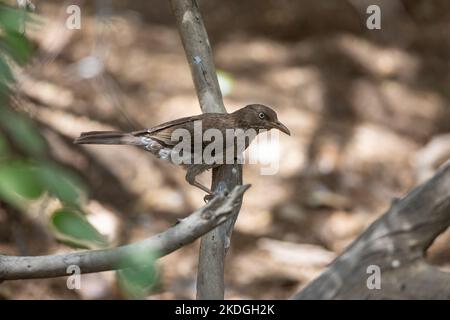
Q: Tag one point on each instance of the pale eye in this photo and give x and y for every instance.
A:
(261, 115)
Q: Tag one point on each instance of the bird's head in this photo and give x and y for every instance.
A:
(259, 116)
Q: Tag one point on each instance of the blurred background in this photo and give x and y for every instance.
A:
(368, 111)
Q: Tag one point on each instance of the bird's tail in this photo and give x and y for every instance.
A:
(107, 137)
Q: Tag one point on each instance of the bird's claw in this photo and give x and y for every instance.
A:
(207, 198)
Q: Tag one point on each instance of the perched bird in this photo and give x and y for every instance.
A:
(163, 139)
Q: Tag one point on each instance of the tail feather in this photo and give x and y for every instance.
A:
(107, 137)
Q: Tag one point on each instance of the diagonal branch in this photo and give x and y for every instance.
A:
(214, 245)
(198, 223)
(395, 245)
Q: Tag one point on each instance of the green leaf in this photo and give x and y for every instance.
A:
(62, 184)
(13, 40)
(5, 72)
(23, 132)
(19, 181)
(4, 91)
(139, 281)
(11, 19)
(4, 148)
(16, 46)
(71, 226)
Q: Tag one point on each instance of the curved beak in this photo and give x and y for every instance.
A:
(278, 125)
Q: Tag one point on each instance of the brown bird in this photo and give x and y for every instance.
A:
(163, 139)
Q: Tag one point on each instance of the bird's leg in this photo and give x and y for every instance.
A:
(202, 187)
(192, 173)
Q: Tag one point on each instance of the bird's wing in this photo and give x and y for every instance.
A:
(163, 132)
(168, 124)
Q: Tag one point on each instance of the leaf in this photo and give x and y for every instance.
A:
(13, 41)
(72, 227)
(11, 19)
(23, 132)
(139, 281)
(62, 184)
(6, 78)
(5, 72)
(16, 46)
(4, 148)
(4, 91)
(19, 181)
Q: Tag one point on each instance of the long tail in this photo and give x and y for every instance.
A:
(108, 137)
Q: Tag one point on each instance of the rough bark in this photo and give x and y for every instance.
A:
(213, 247)
(198, 223)
(396, 244)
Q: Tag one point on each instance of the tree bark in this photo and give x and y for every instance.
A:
(201, 221)
(395, 245)
(213, 247)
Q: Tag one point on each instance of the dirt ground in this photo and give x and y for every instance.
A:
(362, 105)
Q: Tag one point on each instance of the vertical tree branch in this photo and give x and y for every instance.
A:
(199, 55)
(213, 247)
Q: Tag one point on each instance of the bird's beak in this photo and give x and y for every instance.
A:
(278, 125)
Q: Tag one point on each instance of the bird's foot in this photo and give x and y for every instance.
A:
(207, 198)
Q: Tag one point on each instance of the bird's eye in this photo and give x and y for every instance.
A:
(261, 115)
